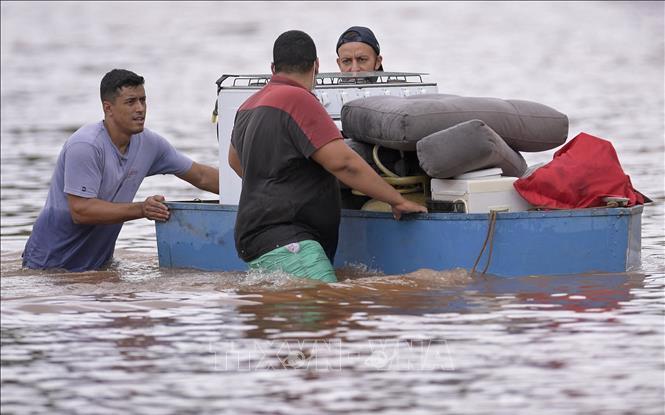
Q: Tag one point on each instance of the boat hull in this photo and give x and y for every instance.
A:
(200, 236)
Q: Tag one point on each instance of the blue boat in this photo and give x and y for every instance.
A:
(199, 234)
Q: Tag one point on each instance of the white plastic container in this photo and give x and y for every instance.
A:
(481, 195)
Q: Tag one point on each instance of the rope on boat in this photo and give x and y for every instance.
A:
(384, 169)
(612, 202)
(488, 238)
(403, 184)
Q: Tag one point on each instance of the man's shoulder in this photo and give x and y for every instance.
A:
(89, 133)
(294, 92)
(151, 138)
(280, 96)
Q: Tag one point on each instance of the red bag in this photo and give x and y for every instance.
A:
(580, 175)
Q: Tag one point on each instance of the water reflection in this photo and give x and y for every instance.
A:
(326, 311)
(580, 293)
(437, 331)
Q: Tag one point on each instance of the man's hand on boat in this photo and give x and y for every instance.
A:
(407, 207)
(154, 209)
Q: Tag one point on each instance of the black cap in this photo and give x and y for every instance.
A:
(359, 34)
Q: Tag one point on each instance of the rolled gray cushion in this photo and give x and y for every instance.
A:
(399, 123)
(465, 147)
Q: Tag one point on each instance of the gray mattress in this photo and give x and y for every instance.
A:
(399, 122)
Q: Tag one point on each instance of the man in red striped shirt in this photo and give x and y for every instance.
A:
(290, 155)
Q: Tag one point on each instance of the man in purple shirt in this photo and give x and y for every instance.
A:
(98, 172)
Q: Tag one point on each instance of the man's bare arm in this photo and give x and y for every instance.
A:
(92, 211)
(234, 161)
(202, 176)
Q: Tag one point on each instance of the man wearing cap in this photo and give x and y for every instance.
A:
(290, 155)
(358, 51)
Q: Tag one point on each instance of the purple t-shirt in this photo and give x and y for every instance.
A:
(91, 166)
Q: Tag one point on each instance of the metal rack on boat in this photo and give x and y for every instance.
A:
(329, 79)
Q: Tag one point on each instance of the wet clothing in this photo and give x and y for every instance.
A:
(91, 166)
(304, 259)
(286, 197)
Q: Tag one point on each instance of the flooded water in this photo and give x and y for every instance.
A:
(139, 339)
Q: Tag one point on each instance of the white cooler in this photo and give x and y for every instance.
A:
(482, 194)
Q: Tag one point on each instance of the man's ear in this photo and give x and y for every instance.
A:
(106, 107)
(316, 67)
(272, 67)
(379, 60)
(339, 64)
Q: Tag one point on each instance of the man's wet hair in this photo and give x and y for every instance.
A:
(294, 52)
(115, 80)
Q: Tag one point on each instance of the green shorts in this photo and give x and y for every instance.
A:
(304, 259)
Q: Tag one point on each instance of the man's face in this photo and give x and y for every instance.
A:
(357, 57)
(128, 109)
